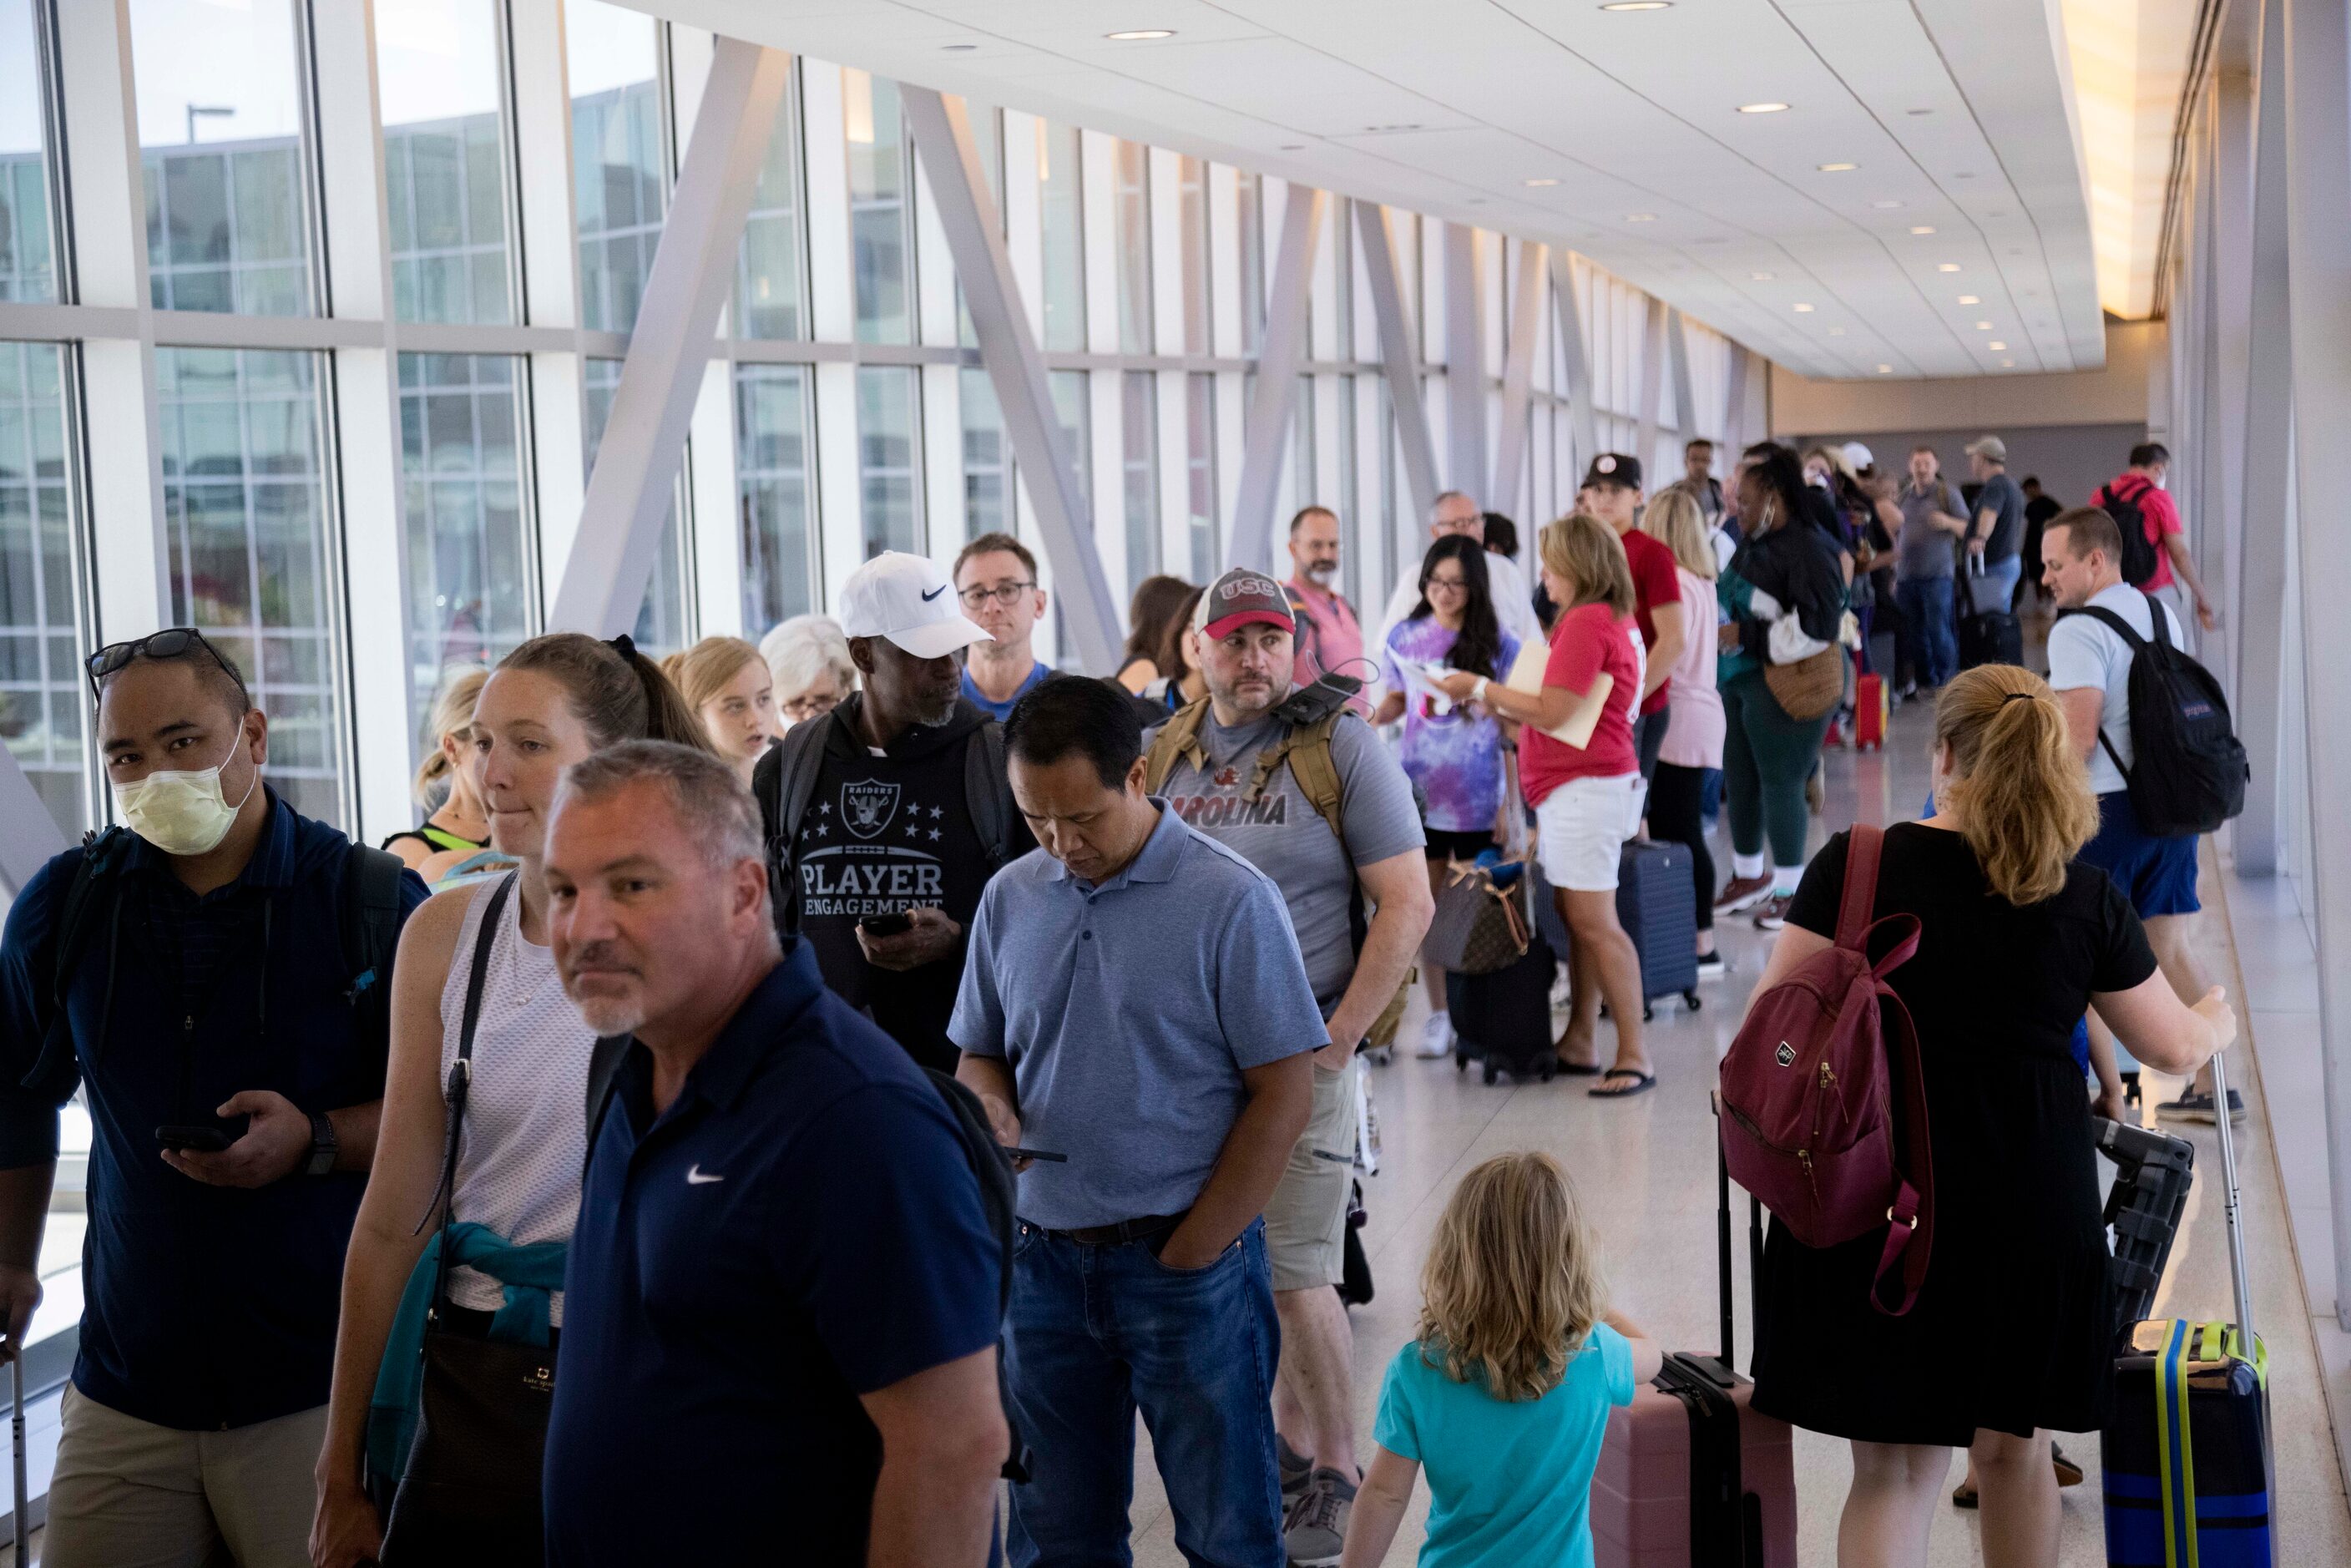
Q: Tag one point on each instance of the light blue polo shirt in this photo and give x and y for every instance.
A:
(1128, 1012)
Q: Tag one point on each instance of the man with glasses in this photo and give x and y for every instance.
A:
(214, 974)
(996, 578)
(886, 816)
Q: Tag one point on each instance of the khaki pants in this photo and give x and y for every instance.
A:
(1306, 1219)
(131, 1494)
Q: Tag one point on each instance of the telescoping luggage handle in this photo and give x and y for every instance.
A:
(2229, 1208)
(1722, 1242)
(23, 1509)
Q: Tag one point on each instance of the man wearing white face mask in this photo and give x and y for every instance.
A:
(217, 974)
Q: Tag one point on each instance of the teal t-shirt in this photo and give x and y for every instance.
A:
(1509, 1481)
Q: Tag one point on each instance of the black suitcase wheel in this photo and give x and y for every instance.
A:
(1648, 1012)
(1490, 1072)
(1547, 1072)
(1694, 999)
(1460, 1058)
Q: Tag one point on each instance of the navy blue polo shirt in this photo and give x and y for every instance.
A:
(205, 1307)
(800, 1226)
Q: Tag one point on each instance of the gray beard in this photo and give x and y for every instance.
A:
(606, 1017)
(1322, 576)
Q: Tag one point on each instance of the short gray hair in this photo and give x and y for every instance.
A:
(717, 811)
(800, 650)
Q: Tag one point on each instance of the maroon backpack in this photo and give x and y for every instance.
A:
(1809, 1090)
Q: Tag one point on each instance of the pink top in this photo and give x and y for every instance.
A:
(1694, 734)
(1329, 638)
(1588, 642)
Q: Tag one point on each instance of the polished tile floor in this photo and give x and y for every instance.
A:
(1647, 1174)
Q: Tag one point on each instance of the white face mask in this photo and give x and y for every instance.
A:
(181, 812)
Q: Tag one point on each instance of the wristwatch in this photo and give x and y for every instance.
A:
(323, 1145)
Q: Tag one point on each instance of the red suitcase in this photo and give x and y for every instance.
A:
(1690, 1475)
(1869, 707)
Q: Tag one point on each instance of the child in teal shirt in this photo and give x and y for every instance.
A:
(1505, 1394)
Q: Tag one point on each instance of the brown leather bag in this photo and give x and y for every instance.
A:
(1811, 687)
(1477, 928)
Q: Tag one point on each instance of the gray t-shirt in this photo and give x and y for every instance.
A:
(1127, 1012)
(2084, 650)
(2000, 496)
(1282, 835)
(1923, 550)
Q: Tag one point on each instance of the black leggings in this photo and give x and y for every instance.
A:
(1675, 819)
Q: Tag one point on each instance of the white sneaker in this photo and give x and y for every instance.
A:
(1436, 1037)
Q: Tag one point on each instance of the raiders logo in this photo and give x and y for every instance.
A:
(1786, 1055)
(866, 807)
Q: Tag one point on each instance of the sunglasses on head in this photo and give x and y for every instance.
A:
(166, 644)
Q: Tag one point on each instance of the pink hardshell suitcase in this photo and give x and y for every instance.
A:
(1689, 1474)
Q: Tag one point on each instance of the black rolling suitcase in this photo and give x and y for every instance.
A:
(1657, 903)
(2186, 1453)
(2153, 1173)
(1993, 637)
(1503, 1018)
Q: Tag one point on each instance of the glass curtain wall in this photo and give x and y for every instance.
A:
(27, 259)
(771, 475)
(663, 623)
(987, 488)
(889, 444)
(1061, 195)
(1201, 472)
(1139, 416)
(881, 210)
(619, 189)
(42, 695)
(771, 276)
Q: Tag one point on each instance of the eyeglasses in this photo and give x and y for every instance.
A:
(1459, 584)
(1005, 593)
(800, 708)
(169, 643)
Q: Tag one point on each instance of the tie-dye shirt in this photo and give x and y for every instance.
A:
(1456, 759)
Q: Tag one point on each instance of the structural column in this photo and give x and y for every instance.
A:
(1525, 334)
(1583, 418)
(1464, 361)
(1282, 354)
(1400, 362)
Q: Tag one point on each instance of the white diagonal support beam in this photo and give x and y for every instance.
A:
(1008, 349)
(1582, 418)
(1400, 361)
(1465, 362)
(2267, 441)
(1525, 324)
(28, 835)
(1734, 401)
(1678, 360)
(1653, 383)
(2318, 60)
(634, 481)
(1282, 353)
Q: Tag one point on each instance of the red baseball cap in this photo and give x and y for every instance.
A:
(1236, 599)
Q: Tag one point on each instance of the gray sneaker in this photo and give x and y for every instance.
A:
(1317, 1526)
(1295, 1468)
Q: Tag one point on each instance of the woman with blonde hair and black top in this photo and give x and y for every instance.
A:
(731, 690)
(476, 978)
(456, 824)
(2018, 1239)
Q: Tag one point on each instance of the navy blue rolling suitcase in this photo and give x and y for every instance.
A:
(1657, 903)
(2186, 1452)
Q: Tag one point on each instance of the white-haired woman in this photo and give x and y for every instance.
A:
(808, 657)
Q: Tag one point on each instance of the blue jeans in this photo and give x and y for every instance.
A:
(1096, 1333)
(1996, 588)
(1926, 621)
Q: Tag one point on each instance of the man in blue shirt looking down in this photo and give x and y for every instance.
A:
(781, 1305)
(1136, 1003)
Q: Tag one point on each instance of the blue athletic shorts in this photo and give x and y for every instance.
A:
(2157, 874)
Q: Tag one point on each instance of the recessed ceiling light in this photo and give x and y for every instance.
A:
(1996, 348)
(1914, 112)
(1384, 129)
(1983, 326)
(1133, 35)
(1293, 147)
(1640, 217)
(1761, 108)
(1541, 183)
(1838, 167)
(1922, 228)
(1885, 370)
(2009, 365)
(1970, 299)
(1963, 174)
(1886, 207)
(1638, 5)
(1802, 309)
(1948, 266)
(958, 48)
(1761, 277)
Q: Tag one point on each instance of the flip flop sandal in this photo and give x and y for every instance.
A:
(2069, 1474)
(1642, 1084)
(1963, 1496)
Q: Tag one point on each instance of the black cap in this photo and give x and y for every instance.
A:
(1614, 468)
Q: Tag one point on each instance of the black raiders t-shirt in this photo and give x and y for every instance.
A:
(882, 834)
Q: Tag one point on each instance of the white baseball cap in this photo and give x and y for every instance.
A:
(908, 599)
(1857, 455)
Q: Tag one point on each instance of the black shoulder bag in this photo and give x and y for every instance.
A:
(469, 1492)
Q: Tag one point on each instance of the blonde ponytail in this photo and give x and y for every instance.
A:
(453, 715)
(2018, 787)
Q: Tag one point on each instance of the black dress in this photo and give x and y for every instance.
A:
(2014, 1328)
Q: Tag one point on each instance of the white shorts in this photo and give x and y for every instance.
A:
(1580, 828)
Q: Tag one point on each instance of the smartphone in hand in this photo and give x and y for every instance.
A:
(886, 925)
(192, 1139)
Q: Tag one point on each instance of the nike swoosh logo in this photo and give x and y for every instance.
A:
(697, 1177)
(934, 592)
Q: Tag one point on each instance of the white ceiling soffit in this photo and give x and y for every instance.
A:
(2129, 60)
(1957, 113)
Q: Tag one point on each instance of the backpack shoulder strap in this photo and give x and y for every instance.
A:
(2116, 624)
(95, 889)
(603, 1062)
(1178, 739)
(2158, 619)
(785, 786)
(987, 792)
(1863, 847)
(1308, 751)
(370, 919)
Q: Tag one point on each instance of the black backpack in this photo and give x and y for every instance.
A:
(368, 924)
(785, 781)
(999, 1196)
(2138, 551)
(2190, 771)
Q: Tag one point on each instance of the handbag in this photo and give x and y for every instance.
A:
(469, 1491)
(1811, 687)
(1477, 928)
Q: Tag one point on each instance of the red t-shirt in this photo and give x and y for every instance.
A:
(2162, 514)
(1655, 582)
(1588, 642)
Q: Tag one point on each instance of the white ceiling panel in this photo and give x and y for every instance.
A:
(1955, 115)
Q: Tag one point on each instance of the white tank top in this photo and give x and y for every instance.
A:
(525, 1135)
